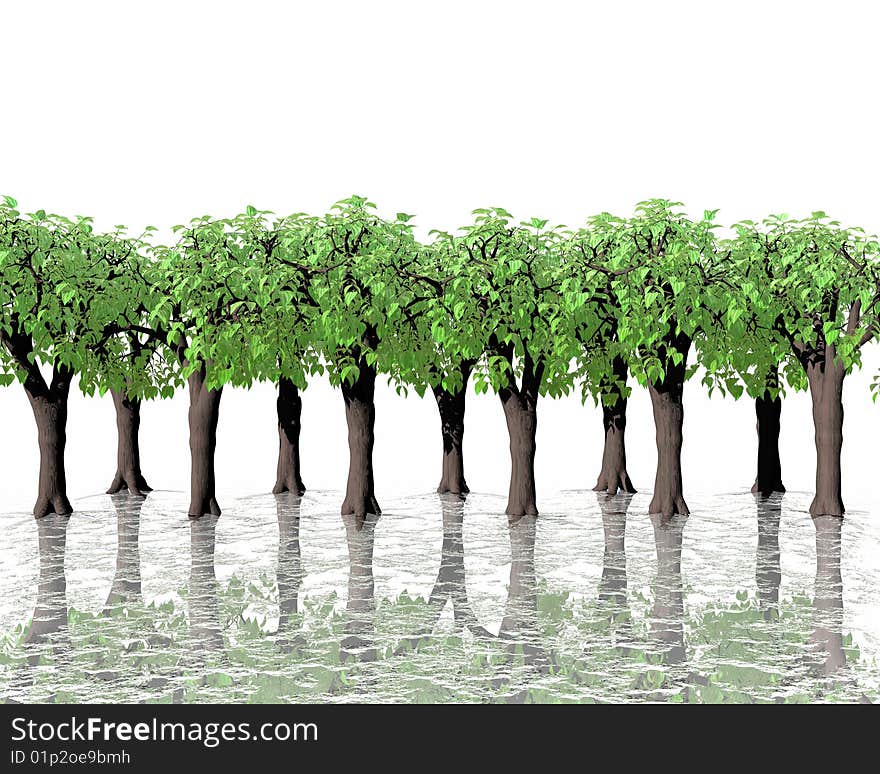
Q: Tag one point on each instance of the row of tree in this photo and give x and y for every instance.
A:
(525, 309)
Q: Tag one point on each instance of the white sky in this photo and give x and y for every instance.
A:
(155, 112)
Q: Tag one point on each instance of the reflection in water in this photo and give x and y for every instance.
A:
(520, 622)
(126, 587)
(667, 617)
(768, 572)
(48, 627)
(360, 610)
(559, 640)
(289, 572)
(613, 586)
(50, 612)
(205, 632)
(827, 634)
(450, 585)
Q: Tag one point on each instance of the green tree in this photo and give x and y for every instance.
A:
(589, 296)
(506, 302)
(359, 291)
(817, 285)
(66, 294)
(426, 359)
(666, 288)
(209, 314)
(743, 354)
(289, 329)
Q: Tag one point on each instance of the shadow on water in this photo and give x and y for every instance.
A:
(360, 610)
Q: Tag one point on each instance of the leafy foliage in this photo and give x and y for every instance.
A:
(72, 299)
(801, 286)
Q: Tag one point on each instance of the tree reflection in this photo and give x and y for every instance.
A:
(451, 584)
(667, 617)
(205, 632)
(827, 636)
(613, 584)
(360, 610)
(768, 572)
(289, 571)
(126, 587)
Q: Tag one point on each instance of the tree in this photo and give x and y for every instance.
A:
(588, 291)
(665, 284)
(506, 302)
(359, 293)
(209, 315)
(744, 354)
(139, 367)
(816, 284)
(285, 349)
(66, 295)
(427, 359)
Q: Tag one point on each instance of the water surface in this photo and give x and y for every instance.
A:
(439, 600)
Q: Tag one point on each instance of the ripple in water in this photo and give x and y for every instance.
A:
(439, 600)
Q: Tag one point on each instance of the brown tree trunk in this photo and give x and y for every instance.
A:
(521, 414)
(360, 414)
(128, 454)
(769, 478)
(451, 406)
(825, 377)
(289, 404)
(50, 412)
(666, 400)
(613, 476)
(204, 411)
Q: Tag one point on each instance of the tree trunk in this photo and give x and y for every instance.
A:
(289, 412)
(50, 412)
(360, 414)
(204, 410)
(522, 423)
(613, 476)
(666, 400)
(128, 454)
(451, 406)
(769, 478)
(825, 378)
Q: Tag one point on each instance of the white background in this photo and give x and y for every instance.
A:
(156, 112)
